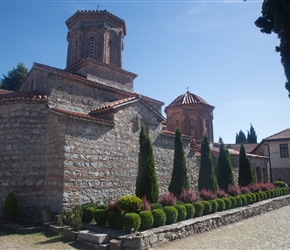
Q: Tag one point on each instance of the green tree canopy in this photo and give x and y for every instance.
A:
(246, 175)
(179, 177)
(275, 18)
(252, 136)
(146, 182)
(240, 137)
(206, 178)
(14, 78)
(225, 171)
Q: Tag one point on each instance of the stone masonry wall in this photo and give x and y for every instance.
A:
(101, 161)
(22, 153)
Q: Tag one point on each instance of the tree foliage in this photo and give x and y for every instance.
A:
(14, 78)
(252, 136)
(225, 171)
(275, 18)
(240, 137)
(146, 182)
(179, 177)
(246, 175)
(206, 179)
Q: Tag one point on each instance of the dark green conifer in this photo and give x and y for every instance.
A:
(225, 170)
(206, 178)
(146, 182)
(246, 175)
(179, 177)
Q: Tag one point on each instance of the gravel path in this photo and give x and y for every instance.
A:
(267, 231)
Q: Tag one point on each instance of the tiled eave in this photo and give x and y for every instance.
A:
(80, 116)
(16, 96)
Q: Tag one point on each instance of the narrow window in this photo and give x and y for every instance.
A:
(92, 51)
(284, 150)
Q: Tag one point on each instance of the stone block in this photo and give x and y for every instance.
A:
(115, 244)
(91, 236)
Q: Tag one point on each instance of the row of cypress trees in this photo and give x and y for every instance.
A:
(146, 182)
(225, 177)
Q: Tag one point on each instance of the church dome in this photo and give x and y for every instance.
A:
(187, 99)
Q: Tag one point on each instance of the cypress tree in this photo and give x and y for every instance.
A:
(240, 137)
(225, 170)
(246, 175)
(206, 178)
(146, 182)
(179, 177)
(252, 136)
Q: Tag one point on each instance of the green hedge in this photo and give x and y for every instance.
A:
(228, 203)
(159, 217)
(190, 210)
(101, 217)
(222, 204)
(181, 212)
(199, 207)
(207, 207)
(171, 214)
(130, 203)
(147, 220)
(214, 206)
(112, 218)
(131, 221)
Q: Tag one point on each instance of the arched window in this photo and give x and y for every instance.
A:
(191, 128)
(75, 51)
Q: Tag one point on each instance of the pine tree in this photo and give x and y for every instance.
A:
(179, 177)
(225, 170)
(206, 178)
(252, 136)
(146, 182)
(246, 175)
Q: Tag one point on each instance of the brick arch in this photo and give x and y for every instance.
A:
(112, 47)
(90, 35)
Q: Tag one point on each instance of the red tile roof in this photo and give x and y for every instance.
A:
(34, 95)
(111, 105)
(80, 115)
(285, 134)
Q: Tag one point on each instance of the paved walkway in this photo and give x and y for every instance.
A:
(267, 231)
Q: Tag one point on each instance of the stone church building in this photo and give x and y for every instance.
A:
(72, 136)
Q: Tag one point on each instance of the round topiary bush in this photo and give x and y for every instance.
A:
(239, 201)
(244, 199)
(234, 201)
(280, 184)
(258, 198)
(132, 222)
(11, 207)
(130, 203)
(253, 197)
(156, 206)
(101, 217)
(228, 203)
(249, 198)
(181, 212)
(190, 210)
(159, 217)
(171, 214)
(89, 214)
(147, 220)
(199, 207)
(222, 204)
(214, 206)
(207, 207)
(112, 218)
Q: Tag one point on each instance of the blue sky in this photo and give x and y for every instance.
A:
(211, 47)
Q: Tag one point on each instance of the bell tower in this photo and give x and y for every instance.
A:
(97, 35)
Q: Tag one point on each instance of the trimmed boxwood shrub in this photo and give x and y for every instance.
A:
(130, 203)
(147, 220)
(131, 221)
(89, 214)
(228, 203)
(207, 207)
(269, 194)
(244, 199)
(280, 184)
(199, 207)
(190, 210)
(101, 217)
(181, 212)
(249, 198)
(11, 207)
(214, 206)
(159, 217)
(239, 201)
(222, 204)
(120, 222)
(253, 195)
(112, 218)
(156, 206)
(171, 214)
(234, 201)
(258, 197)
